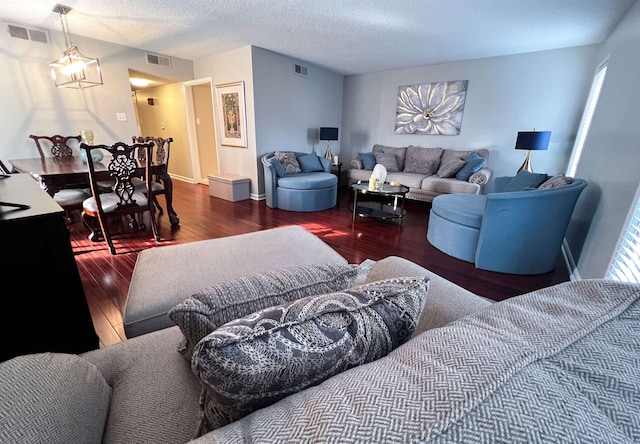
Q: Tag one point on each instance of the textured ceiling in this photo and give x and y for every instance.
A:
(345, 36)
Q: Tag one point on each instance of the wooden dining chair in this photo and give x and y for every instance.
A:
(100, 211)
(4, 169)
(71, 196)
(162, 149)
(58, 145)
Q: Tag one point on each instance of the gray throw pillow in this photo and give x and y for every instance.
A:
(288, 161)
(422, 160)
(450, 168)
(52, 397)
(387, 160)
(253, 362)
(214, 306)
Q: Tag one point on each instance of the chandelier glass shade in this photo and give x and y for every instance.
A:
(73, 70)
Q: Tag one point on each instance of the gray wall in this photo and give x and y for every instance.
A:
(611, 157)
(542, 90)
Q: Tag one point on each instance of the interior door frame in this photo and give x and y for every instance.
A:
(192, 128)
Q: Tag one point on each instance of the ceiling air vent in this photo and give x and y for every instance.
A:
(21, 32)
(157, 59)
(300, 70)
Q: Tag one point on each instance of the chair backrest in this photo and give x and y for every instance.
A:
(59, 145)
(121, 167)
(162, 147)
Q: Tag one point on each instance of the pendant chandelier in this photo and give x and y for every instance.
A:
(73, 70)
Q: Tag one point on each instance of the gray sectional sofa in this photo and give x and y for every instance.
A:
(555, 365)
(428, 172)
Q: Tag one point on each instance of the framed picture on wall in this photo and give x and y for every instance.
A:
(232, 115)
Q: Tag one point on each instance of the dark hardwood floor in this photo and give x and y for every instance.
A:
(106, 277)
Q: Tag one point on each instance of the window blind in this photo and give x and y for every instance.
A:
(625, 264)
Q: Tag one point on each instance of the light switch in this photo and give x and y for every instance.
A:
(121, 117)
(162, 125)
(197, 121)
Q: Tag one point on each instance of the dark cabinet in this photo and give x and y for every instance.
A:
(43, 305)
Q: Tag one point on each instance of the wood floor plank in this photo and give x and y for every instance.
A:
(106, 277)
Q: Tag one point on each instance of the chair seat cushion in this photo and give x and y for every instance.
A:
(464, 209)
(140, 185)
(308, 181)
(71, 196)
(110, 202)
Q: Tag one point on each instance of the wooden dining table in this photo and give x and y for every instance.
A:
(55, 173)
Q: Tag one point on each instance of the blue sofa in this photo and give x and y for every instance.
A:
(304, 191)
(517, 232)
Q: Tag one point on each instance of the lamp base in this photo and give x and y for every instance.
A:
(526, 166)
(327, 154)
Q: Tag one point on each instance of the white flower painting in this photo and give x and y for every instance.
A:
(431, 108)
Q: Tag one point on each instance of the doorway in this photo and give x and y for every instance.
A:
(202, 133)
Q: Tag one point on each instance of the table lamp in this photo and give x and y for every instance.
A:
(328, 134)
(531, 141)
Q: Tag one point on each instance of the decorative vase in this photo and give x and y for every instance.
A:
(96, 155)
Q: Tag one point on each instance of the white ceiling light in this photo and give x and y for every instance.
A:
(136, 81)
(73, 70)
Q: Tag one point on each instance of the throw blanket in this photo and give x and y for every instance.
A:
(560, 364)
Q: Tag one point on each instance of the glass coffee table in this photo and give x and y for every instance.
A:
(386, 203)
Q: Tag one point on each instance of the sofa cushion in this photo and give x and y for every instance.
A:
(449, 153)
(463, 209)
(253, 362)
(450, 168)
(388, 160)
(310, 163)
(473, 163)
(422, 160)
(399, 152)
(289, 161)
(211, 307)
(308, 181)
(277, 166)
(558, 180)
(368, 160)
(556, 364)
(52, 397)
(524, 179)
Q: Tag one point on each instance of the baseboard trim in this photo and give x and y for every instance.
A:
(574, 274)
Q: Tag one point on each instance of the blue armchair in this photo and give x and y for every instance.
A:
(518, 232)
(315, 189)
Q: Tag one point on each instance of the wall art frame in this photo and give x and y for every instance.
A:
(232, 115)
(431, 108)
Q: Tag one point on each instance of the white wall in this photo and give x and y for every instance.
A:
(611, 157)
(542, 90)
(31, 104)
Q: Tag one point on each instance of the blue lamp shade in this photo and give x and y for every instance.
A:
(533, 140)
(328, 133)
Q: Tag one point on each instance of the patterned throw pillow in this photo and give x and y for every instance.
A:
(559, 180)
(288, 161)
(450, 168)
(422, 160)
(387, 160)
(214, 306)
(253, 362)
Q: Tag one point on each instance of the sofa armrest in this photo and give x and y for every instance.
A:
(356, 164)
(481, 177)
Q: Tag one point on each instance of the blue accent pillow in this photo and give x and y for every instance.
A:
(277, 166)
(368, 160)
(473, 163)
(310, 162)
(523, 180)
